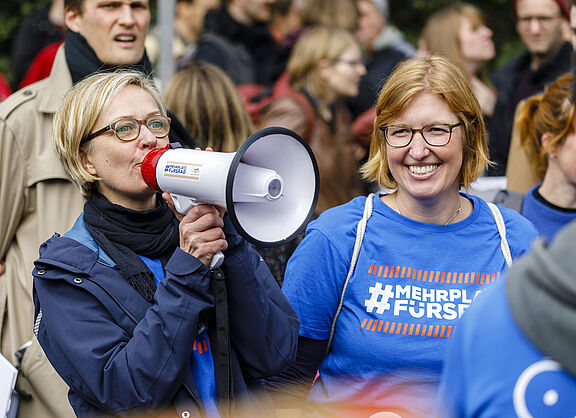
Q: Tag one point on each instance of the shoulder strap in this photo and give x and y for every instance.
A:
(359, 237)
(222, 362)
(502, 231)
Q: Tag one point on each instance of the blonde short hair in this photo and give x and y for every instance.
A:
(314, 45)
(434, 75)
(207, 102)
(78, 112)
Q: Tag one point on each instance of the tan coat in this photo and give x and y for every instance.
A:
(337, 153)
(37, 199)
(521, 174)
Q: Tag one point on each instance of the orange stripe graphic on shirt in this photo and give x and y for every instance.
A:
(432, 276)
(397, 328)
(203, 346)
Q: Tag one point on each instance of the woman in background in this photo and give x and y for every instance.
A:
(459, 33)
(206, 101)
(545, 125)
(324, 68)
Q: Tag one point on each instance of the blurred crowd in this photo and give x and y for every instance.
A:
(453, 169)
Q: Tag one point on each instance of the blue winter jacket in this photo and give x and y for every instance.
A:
(119, 353)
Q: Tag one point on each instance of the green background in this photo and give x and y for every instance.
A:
(408, 15)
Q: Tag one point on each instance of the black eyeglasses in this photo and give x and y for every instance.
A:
(436, 134)
(128, 129)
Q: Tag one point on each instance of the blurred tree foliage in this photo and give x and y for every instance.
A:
(12, 12)
(408, 15)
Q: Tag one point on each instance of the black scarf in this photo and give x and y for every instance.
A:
(82, 60)
(124, 234)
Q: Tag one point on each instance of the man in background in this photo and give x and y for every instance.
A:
(244, 23)
(542, 26)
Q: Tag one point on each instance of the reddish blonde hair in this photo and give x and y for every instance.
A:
(550, 112)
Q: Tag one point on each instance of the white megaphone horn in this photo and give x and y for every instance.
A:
(269, 187)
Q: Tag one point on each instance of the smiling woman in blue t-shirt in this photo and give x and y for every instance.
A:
(427, 252)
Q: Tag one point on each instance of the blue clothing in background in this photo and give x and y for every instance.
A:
(493, 370)
(548, 220)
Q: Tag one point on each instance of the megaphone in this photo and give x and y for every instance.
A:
(269, 187)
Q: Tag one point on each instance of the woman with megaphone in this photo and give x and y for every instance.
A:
(127, 309)
(380, 282)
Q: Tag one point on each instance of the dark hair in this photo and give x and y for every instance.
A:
(75, 5)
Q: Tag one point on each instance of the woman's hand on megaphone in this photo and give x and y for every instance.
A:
(201, 232)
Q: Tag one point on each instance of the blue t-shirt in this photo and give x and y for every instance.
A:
(493, 370)
(411, 283)
(202, 363)
(548, 221)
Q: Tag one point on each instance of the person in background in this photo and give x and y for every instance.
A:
(205, 100)
(545, 126)
(391, 36)
(305, 14)
(286, 23)
(41, 28)
(541, 25)
(188, 29)
(136, 306)
(459, 32)
(244, 24)
(341, 13)
(376, 314)
(521, 175)
(379, 53)
(325, 67)
(36, 194)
